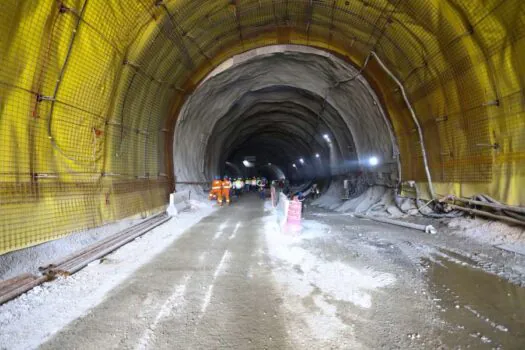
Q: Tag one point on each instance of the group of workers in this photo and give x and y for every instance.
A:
(223, 189)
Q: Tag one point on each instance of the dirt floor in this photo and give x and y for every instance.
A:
(239, 279)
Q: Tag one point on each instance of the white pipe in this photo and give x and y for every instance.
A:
(414, 118)
(425, 228)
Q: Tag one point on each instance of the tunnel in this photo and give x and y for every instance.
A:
(105, 104)
(113, 113)
(283, 106)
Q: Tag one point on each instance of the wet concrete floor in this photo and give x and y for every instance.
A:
(469, 308)
(485, 310)
(236, 281)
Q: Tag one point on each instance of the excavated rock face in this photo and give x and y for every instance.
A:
(281, 105)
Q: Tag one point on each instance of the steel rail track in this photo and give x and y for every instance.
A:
(14, 287)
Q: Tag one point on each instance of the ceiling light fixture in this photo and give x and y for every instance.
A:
(373, 161)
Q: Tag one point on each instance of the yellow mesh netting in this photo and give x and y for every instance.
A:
(90, 89)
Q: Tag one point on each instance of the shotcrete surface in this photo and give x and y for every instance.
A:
(326, 92)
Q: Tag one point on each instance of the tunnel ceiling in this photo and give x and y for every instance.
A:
(280, 126)
(91, 92)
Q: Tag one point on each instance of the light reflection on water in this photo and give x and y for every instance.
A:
(485, 310)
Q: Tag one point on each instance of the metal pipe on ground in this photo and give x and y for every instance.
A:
(90, 248)
(14, 287)
(99, 254)
(9, 284)
(88, 252)
(94, 248)
(488, 215)
(22, 288)
(492, 205)
(424, 228)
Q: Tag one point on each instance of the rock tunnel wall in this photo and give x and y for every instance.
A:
(90, 91)
(271, 89)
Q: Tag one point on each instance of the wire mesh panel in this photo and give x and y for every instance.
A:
(62, 68)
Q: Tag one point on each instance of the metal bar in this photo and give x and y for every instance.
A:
(22, 289)
(11, 283)
(74, 262)
(77, 254)
(94, 250)
(489, 215)
(520, 210)
(86, 253)
(105, 252)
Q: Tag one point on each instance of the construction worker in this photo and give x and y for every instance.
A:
(238, 187)
(241, 182)
(216, 190)
(261, 185)
(226, 188)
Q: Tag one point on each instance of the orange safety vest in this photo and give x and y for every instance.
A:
(216, 185)
(226, 185)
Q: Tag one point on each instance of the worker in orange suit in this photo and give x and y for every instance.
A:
(226, 188)
(216, 190)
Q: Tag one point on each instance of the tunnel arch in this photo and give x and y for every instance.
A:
(91, 90)
(290, 80)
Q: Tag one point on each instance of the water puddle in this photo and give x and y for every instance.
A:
(482, 310)
(463, 259)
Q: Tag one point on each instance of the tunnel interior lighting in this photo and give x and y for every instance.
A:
(301, 160)
(247, 164)
(373, 161)
(326, 137)
(270, 164)
(317, 155)
(295, 166)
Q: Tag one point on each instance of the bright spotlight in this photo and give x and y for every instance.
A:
(301, 160)
(373, 161)
(247, 164)
(295, 166)
(317, 155)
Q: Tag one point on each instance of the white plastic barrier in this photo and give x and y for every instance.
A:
(282, 207)
(179, 201)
